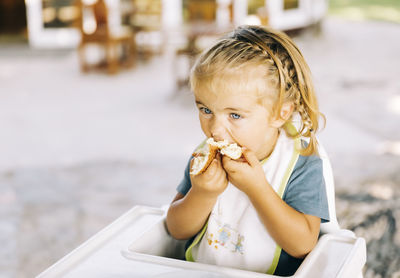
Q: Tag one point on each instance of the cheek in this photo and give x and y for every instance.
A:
(253, 134)
(205, 126)
(244, 133)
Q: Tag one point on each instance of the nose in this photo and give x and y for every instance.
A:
(218, 130)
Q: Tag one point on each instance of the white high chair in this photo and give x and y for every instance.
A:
(137, 244)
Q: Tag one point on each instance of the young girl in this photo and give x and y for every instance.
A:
(263, 211)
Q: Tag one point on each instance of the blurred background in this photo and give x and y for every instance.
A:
(96, 115)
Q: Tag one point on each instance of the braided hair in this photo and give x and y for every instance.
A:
(283, 70)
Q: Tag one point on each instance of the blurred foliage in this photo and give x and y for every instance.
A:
(387, 10)
(290, 4)
(254, 5)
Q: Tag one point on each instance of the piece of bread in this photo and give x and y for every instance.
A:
(232, 150)
(205, 155)
(203, 158)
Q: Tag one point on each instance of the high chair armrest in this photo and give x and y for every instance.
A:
(346, 233)
(335, 255)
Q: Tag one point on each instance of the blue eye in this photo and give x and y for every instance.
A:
(235, 116)
(205, 110)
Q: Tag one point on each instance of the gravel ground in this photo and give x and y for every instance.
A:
(80, 150)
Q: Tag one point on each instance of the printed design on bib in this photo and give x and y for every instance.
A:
(238, 244)
(225, 237)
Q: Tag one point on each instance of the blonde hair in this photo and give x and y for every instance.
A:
(282, 67)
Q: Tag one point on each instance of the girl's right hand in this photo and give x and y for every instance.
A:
(213, 181)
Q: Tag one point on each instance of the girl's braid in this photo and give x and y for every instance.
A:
(256, 51)
(292, 85)
(300, 107)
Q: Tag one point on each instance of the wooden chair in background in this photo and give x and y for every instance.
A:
(146, 21)
(119, 45)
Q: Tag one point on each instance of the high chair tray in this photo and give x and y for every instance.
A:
(138, 245)
(100, 256)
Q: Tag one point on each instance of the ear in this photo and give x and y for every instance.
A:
(284, 114)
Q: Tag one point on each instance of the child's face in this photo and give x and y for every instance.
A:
(237, 118)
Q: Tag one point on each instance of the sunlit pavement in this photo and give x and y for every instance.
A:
(79, 150)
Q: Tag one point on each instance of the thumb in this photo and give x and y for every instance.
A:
(250, 156)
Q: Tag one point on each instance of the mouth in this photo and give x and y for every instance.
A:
(232, 150)
(220, 142)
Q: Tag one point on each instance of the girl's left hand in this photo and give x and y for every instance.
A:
(246, 174)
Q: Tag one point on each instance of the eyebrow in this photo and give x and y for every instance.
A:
(238, 109)
(228, 108)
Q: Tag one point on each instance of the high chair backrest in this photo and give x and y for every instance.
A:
(332, 226)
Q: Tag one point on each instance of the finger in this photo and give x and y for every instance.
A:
(220, 170)
(212, 168)
(219, 157)
(250, 157)
(229, 164)
(219, 175)
(223, 180)
(225, 159)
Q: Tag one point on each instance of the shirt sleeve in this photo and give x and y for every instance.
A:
(185, 184)
(305, 191)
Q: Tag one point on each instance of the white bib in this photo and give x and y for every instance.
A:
(234, 235)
